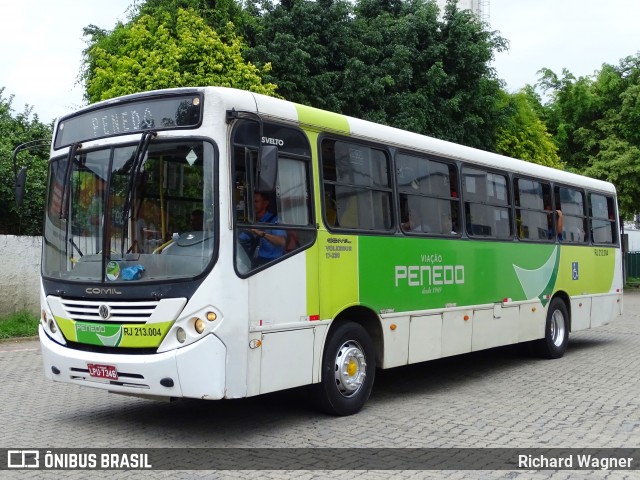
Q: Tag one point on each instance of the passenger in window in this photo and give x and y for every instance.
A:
(447, 225)
(414, 222)
(196, 220)
(264, 245)
(554, 231)
(559, 228)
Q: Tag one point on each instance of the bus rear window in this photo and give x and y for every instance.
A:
(603, 219)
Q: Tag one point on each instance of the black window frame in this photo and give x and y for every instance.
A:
(306, 157)
(508, 206)
(454, 194)
(611, 218)
(547, 209)
(330, 197)
(570, 216)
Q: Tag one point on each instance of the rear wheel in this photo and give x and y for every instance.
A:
(556, 338)
(348, 370)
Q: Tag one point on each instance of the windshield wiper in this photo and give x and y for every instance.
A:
(136, 165)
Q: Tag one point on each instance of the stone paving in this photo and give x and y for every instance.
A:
(500, 398)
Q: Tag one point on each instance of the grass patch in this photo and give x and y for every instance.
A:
(19, 324)
(632, 282)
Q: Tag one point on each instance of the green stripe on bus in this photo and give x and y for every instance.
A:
(313, 117)
(339, 268)
(114, 335)
(399, 274)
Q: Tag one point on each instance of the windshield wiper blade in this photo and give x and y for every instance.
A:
(136, 165)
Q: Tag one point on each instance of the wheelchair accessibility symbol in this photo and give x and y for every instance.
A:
(574, 270)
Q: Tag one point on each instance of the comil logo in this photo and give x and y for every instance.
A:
(23, 459)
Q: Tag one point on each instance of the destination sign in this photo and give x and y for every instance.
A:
(153, 113)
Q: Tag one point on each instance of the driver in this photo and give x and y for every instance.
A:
(269, 243)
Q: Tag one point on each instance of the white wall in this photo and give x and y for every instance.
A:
(634, 239)
(19, 274)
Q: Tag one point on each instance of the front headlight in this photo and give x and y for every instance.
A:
(50, 326)
(190, 328)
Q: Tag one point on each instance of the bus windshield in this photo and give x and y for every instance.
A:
(126, 213)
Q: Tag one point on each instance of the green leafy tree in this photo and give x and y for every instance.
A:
(16, 129)
(524, 135)
(618, 162)
(390, 61)
(570, 116)
(157, 51)
(594, 123)
(226, 17)
(309, 45)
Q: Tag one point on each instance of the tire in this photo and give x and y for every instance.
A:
(348, 371)
(556, 331)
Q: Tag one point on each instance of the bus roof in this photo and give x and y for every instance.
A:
(317, 119)
(391, 136)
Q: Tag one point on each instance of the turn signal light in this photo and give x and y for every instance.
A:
(211, 316)
(199, 325)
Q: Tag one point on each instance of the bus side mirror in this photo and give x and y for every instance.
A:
(267, 169)
(21, 180)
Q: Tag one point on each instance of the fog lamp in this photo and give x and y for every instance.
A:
(52, 326)
(181, 335)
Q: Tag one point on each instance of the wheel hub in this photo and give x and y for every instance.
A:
(350, 368)
(557, 328)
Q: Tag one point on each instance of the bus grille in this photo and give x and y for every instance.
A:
(119, 312)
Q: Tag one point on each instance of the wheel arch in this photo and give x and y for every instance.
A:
(368, 319)
(564, 296)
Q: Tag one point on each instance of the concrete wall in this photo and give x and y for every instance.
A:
(19, 274)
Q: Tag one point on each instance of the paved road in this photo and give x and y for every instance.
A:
(496, 398)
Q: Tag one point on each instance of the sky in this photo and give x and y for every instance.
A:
(41, 43)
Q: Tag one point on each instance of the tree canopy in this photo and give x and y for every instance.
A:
(594, 122)
(523, 134)
(161, 51)
(398, 62)
(16, 129)
(394, 62)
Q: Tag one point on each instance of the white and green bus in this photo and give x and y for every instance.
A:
(214, 243)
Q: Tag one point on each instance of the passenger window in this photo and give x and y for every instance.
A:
(357, 188)
(486, 203)
(428, 193)
(534, 216)
(603, 219)
(570, 208)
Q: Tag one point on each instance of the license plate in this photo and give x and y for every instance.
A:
(103, 371)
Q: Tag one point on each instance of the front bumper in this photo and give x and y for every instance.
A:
(197, 370)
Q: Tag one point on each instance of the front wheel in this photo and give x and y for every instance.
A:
(556, 337)
(348, 370)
